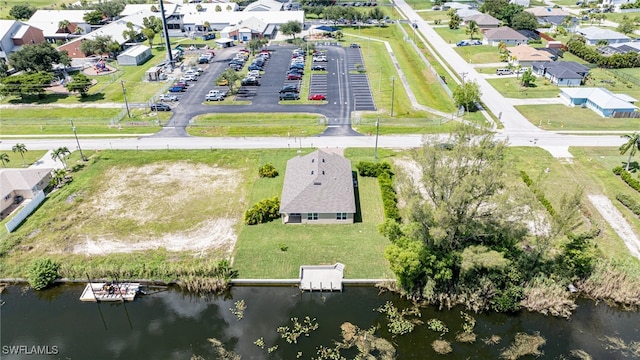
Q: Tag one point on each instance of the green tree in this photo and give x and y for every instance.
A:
(601, 43)
(256, 44)
(291, 28)
(99, 45)
(4, 157)
(110, 9)
(528, 79)
(198, 7)
(631, 146)
(338, 35)
(93, 17)
(376, 13)
(22, 11)
(130, 33)
(524, 21)
(80, 83)
(467, 95)
(63, 25)
(454, 19)
(20, 148)
(627, 25)
(42, 273)
(4, 69)
(59, 177)
(472, 29)
(218, 8)
(26, 84)
(39, 57)
(231, 76)
(60, 154)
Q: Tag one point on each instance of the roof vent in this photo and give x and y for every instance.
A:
(313, 160)
(322, 159)
(311, 172)
(317, 183)
(322, 172)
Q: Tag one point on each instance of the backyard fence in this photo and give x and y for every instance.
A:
(26, 211)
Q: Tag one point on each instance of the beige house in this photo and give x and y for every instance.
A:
(19, 184)
(318, 189)
(505, 35)
(525, 55)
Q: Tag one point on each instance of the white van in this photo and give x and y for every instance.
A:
(504, 72)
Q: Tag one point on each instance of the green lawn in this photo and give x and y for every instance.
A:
(431, 16)
(38, 4)
(452, 36)
(420, 4)
(257, 124)
(30, 157)
(510, 87)
(359, 246)
(561, 117)
(479, 54)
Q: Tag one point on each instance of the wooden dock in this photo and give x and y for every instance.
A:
(321, 277)
(110, 292)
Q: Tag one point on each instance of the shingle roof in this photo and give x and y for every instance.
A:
(319, 182)
(544, 11)
(504, 33)
(20, 179)
(483, 20)
(596, 33)
(528, 53)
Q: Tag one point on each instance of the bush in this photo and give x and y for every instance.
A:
(372, 169)
(268, 170)
(389, 198)
(263, 211)
(626, 176)
(42, 273)
(539, 195)
(630, 203)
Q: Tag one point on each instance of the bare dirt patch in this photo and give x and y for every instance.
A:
(179, 206)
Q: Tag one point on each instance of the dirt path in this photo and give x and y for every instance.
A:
(617, 222)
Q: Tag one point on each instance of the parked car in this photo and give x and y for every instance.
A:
(235, 67)
(160, 107)
(176, 88)
(476, 42)
(289, 88)
(463, 43)
(182, 83)
(250, 82)
(354, 46)
(214, 97)
(189, 78)
(296, 71)
(289, 96)
(253, 73)
(254, 67)
(222, 82)
(298, 66)
(317, 97)
(320, 59)
(294, 77)
(222, 93)
(168, 97)
(209, 36)
(504, 71)
(319, 67)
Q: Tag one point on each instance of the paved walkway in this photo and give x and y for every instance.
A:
(47, 162)
(535, 101)
(617, 222)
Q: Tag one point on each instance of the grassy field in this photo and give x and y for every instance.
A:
(451, 36)
(358, 246)
(432, 16)
(562, 117)
(38, 4)
(510, 87)
(420, 4)
(479, 54)
(30, 157)
(257, 124)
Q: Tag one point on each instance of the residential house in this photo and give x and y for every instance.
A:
(525, 55)
(542, 12)
(562, 73)
(621, 48)
(49, 22)
(251, 28)
(616, 4)
(264, 5)
(484, 21)
(524, 3)
(14, 34)
(593, 35)
(318, 189)
(602, 101)
(17, 185)
(463, 13)
(504, 34)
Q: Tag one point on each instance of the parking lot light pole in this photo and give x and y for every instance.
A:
(77, 141)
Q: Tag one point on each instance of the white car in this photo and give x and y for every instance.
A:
(168, 97)
(320, 58)
(254, 73)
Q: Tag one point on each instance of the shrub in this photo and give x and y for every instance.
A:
(372, 169)
(630, 203)
(626, 176)
(42, 273)
(263, 211)
(539, 195)
(268, 170)
(389, 198)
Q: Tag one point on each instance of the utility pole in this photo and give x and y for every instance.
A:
(393, 88)
(124, 94)
(375, 151)
(165, 31)
(464, 90)
(77, 141)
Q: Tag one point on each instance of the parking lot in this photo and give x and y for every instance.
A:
(344, 92)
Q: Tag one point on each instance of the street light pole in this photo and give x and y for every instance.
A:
(77, 141)
(375, 151)
(124, 94)
(393, 88)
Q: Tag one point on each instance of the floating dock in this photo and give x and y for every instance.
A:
(321, 277)
(110, 292)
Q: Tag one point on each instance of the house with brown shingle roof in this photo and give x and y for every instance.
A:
(318, 189)
(504, 34)
(484, 21)
(525, 55)
(544, 11)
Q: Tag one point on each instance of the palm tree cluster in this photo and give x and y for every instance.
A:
(631, 146)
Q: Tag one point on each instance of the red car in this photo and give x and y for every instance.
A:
(294, 77)
(317, 97)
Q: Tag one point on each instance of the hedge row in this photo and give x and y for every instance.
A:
(626, 176)
(539, 195)
(263, 211)
(630, 203)
(385, 179)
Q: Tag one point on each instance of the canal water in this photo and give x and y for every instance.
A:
(175, 325)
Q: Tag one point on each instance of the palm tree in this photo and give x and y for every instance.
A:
(59, 154)
(20, 148)
(473, 29)
(4, 157)
(58, 177)
(632, 146)
(64, 25)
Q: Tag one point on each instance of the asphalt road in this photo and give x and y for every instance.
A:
(266, 99)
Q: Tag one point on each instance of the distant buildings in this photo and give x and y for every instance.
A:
(601, 101)
(14, 34)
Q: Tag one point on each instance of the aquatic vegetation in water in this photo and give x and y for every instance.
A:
(467, 335)
(580, 354)
(399, 321)
(493, 340)
(221, 352)
(272, 349)
(259, 343)
(291, 335)
(524, 344)
(437, 326)
(368, 344)
(239, 309)
(627, 349)
(442, 346)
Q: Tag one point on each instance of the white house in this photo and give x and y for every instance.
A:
(134, 55)
(594, 34)
(48, 21)
(601, 101)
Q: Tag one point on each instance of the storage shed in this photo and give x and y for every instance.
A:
(134, 55)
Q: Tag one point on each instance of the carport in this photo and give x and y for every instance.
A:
(225, 42)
